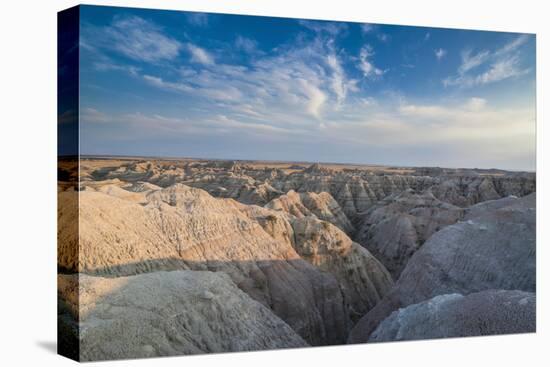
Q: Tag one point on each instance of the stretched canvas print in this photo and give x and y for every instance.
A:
(239, 183)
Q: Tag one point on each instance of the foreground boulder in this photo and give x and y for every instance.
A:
(489, 312)
(493, 250)
(169, 313)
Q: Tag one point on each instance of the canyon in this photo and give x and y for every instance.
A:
(187, 256)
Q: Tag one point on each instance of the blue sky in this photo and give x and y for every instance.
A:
(167, 83)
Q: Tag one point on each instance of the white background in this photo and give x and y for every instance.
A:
(28, 181)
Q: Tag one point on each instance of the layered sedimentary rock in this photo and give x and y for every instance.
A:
(363, 279)
(490, 312)
(168, 313)
(279, 235)
(394, 228)
(322, 206)
(236, 186)
(186, 228)
(267, 254)
(356, 190)
(494, 249)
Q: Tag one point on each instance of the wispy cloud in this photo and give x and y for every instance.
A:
(365, 64)
(383, 37)
(440, 53)
(139, 123)
(367, 28)
(246, 44)
(93, 116)
(330, 28)
(292, 85)
(198, 19)
(500, 70)
(199, 55)
(160, 83)
(135, 38)
(340, 84)
(486, 67)
(513, 45)
(476, 103)
(470, 61)
(375, 30)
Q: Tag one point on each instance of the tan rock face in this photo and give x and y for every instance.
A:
(363, 279)
(355, 190)
(321, 205)
(185, 228)
(170, 313)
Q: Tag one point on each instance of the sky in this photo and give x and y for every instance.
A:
(184, 84)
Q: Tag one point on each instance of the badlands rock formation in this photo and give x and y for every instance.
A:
(169, 313)
(490, 312)
(363, 279)
(185, 228)
(493, 249)
(180, 227)
(355, 189)
(195, 256)
(322, 206)
(395, 227)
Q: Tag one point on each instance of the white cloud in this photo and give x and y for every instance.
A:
(367, 27)
(328, 27)
(501, 70)
(197, 19)
(246, 44)
(476, 103)
(366, 66)
(512, 45)
(383, 37)
(471, 132)
(110, 66)
(292, 86)
(160, 83)
(340, 85)
(135, 38)
(199, 55)
(486, 67)
(470, 61)
(316, 98)
(368, 101)
(444, 113)
(440, 53)
(93, 116)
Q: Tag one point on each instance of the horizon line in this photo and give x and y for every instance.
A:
(292, 161)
